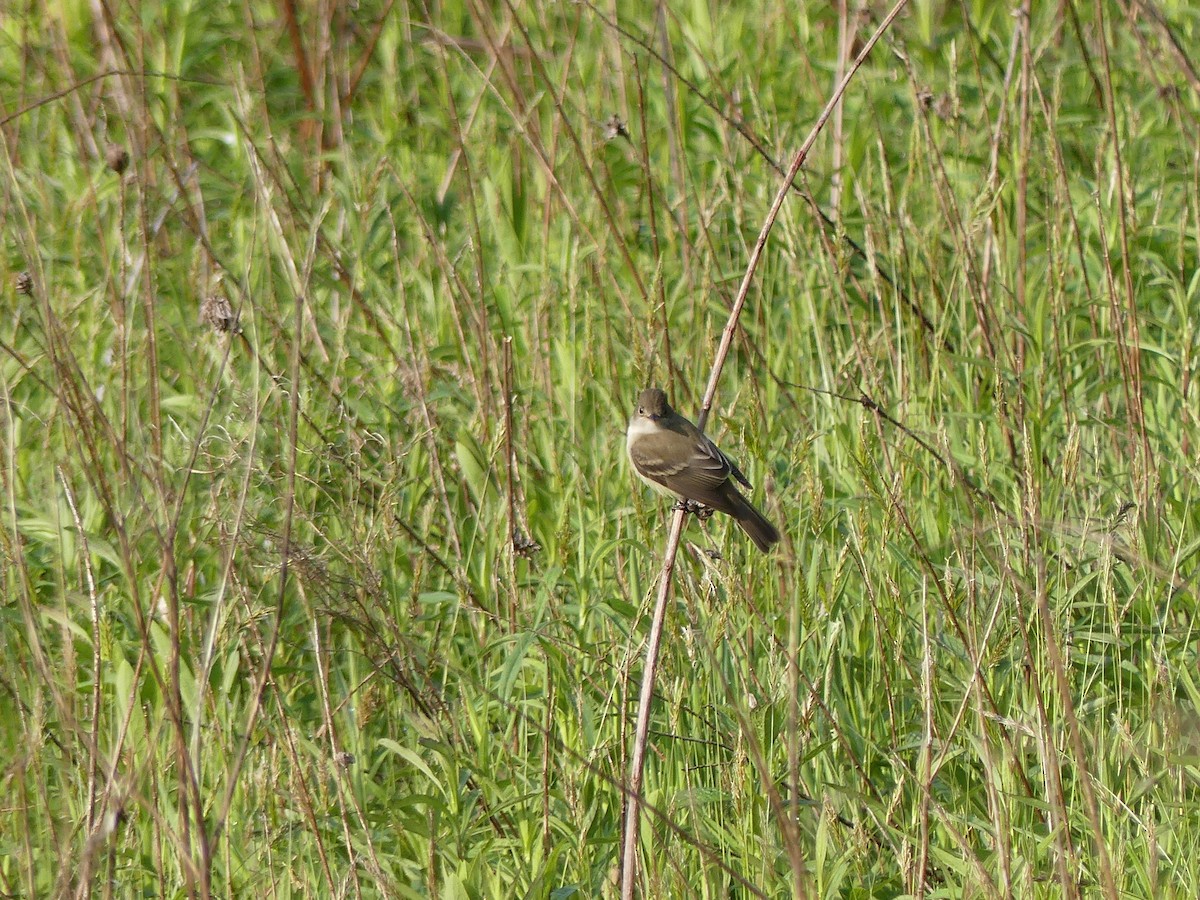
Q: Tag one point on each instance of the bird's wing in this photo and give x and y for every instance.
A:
(730, 466)
(702, 475)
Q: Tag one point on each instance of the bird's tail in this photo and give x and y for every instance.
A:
(755, 524)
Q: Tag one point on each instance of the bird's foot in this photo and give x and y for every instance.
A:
(699, 510)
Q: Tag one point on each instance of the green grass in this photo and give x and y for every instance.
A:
(263, 628)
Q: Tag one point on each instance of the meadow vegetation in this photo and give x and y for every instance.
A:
(322, 569)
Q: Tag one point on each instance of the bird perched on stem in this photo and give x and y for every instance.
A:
(674, 457)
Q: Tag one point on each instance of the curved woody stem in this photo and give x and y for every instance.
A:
(633, 790)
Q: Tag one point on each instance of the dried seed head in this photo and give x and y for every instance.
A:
(117, 158)
(24, 283)
(216, 312)
(615, 128)
(523, 545)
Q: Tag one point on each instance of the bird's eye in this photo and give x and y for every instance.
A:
(641, 410)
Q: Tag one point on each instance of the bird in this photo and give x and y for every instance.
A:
(675, 457)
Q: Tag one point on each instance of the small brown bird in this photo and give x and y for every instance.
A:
(674, 457)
